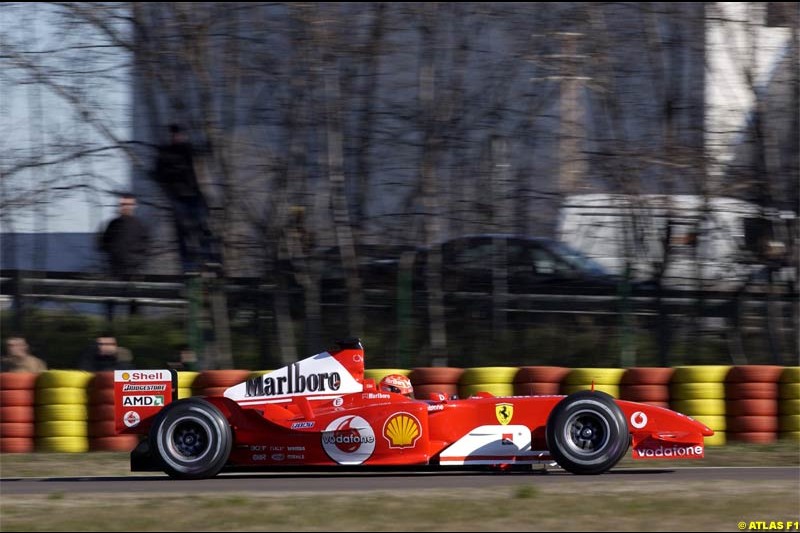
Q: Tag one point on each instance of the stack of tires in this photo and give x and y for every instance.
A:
(258, 373)
(699, 392)
(789, 403)
(215, 382)
(539, 380)
(378, 374)
(435, 380)
(603, 379)
(497, 380)
(102, 431)
(62, 411)
(752, 403)
(17, 414)
(648, 385)
(186, 380)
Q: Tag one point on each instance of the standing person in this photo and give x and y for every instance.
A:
(125, 241)
(18, 358)
(105, 354)
(175, 173)
(187, 359)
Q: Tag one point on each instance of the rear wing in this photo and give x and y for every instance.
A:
(139, 395)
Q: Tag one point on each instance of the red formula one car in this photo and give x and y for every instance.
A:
(321, 412)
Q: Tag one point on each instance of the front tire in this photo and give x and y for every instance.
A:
(191, 439)
(587, 433)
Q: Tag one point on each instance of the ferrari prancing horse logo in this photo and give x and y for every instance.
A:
(504, 412)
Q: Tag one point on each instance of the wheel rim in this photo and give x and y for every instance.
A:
(586, 432)
(188, 439)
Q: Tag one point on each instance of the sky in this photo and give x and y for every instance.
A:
(34, 118)
(38, 123)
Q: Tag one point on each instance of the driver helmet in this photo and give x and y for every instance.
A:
(398, 384)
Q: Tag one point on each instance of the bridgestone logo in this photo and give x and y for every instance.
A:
(293, 383)
(130, 387)
(674, 451)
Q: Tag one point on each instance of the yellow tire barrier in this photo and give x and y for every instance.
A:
(498, 389)
(718, 439)
(790, 435)
(790, 374)
(697, 391)
(487, 374)
(700, 373)
(63, 378)
(61, 395)
(379, 373)
(699, 407)
(789, 391)
(613, 390)
(62, 444)
(186, 378)
(789, 407)
(715, 422)
(600, 376)
(55, 412)
(184, 393)
(789, 422)
(63, 428)
(257, 373)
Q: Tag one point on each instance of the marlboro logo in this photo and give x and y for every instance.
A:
(295, 382)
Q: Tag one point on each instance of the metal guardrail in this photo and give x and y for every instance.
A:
(152, 290)
(171, 291)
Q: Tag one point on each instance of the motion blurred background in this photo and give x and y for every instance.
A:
(463, 184)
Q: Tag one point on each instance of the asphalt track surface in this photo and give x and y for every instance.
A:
(285, 482)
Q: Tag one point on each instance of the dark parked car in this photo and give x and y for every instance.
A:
(377, 265)
(519, 264)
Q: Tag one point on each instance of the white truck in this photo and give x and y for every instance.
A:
(695, 242)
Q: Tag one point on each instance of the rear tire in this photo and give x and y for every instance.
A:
(587, 433)
(191, 439)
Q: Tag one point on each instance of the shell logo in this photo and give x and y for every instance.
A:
(402, 430)
(126, 376)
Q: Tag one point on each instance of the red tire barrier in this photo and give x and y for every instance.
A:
(16, 430)
(752, 407)
(219, 379)
(753, 437)
(753, 424)
(541, 374)
(644, 375)
(17, 445)
(17, 380)
(423, 392)
(17, 413)
(644, 393)
(754, 374)
(434, 375)
(116, 443)
(537, 389)
(751, 391)
(19, 397)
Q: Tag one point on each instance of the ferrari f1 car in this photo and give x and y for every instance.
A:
(321, 412)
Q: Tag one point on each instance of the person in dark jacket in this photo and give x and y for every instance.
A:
(105, 354)
(175, 173)
(125, 240)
